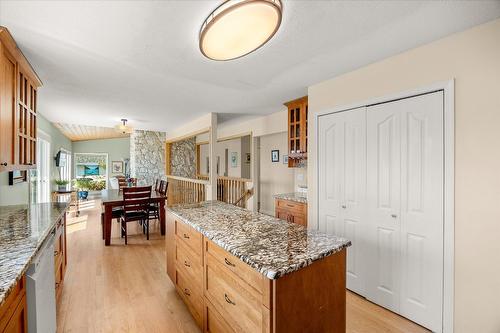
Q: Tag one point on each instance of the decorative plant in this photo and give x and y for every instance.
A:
(61, 182)
(83, 184)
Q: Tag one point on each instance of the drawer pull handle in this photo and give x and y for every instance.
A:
(57, 285)
(229, 263)
(228, 300)
(56, 253)
(186, 264)
(186, 236)
(186, 292)
(291, 206)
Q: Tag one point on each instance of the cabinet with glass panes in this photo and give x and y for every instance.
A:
(297, 131)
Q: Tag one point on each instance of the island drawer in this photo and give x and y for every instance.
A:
(190, 237)
(235, 300)
(235, 265)
(13, 310)
(188, 262)
(191, 294)
(214, 323)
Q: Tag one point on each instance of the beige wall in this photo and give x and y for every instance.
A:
(275, 177)
(472, 58)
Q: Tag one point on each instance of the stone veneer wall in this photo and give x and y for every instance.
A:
(147, 156)
(183, 158)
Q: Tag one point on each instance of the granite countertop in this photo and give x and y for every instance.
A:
(271, 246)
(295, 196)
(23, 228)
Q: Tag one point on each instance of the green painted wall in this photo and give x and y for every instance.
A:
(18, 194)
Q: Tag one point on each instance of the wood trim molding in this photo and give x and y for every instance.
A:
(188, 135)
(11, 45)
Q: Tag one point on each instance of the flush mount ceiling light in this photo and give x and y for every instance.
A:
(239, 27)
(123, 127)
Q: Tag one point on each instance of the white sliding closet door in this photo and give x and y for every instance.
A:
(342, 166)
(405, 207)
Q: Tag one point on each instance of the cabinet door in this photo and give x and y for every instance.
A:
(383, 191)
(18, 323)
(26, 119)
(7, 111)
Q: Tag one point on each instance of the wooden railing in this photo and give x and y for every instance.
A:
(202, 177)
(184, 190)
(233, 190)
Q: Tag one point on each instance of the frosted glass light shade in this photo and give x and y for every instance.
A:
(238, 27)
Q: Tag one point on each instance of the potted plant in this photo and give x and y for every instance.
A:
(83, 185)
(61, 184)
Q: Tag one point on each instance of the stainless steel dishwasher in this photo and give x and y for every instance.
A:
(40, 289)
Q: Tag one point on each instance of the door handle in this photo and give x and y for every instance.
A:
(344, 206)
(4, 164)
(394, 216)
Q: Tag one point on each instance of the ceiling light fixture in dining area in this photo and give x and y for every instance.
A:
(123, 127)
(239, 27)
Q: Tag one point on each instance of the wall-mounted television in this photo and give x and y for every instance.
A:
(60, 159)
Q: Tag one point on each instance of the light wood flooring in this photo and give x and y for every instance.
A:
(125, 288)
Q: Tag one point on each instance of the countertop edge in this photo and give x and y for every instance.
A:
(273, 275)
(5, 294)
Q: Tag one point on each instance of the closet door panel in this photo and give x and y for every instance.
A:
(330, 172)
(383, 204)
(353, 196)
(422, 193)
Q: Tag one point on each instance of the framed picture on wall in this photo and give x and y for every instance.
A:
(117, 166)
(248, 158)
(285, 159)
(234, 159)
(275, 155)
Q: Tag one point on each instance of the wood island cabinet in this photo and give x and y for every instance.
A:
(18, 107)
(224, 294)
(60, 254)
(297, 131)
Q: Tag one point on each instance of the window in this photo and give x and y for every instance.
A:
(65, 170)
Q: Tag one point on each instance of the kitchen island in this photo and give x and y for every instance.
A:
(240, 271)
(23, 229)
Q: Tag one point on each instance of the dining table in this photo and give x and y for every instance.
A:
(114, 198)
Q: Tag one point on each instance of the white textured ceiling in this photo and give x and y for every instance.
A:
(105, 60)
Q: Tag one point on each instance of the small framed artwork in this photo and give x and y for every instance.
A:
(234, 159)
(117, 166)
(248, 158)
(16, 177)
(285, 159)
(275, 155)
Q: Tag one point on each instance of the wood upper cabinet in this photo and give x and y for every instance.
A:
(18, 107)
(297, 131)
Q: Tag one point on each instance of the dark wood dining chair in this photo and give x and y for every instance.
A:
(136, 202)
(157, 184)
(163, 187)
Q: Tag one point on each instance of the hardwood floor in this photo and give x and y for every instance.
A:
(125, 288)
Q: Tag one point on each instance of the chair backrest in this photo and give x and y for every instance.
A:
(163, 187)
(136, 198)
(157, 185)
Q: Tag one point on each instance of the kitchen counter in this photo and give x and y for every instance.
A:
(295, 196)
(23, 228)
(271, 246)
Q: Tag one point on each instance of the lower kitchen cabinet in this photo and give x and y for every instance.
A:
(60, 254)
(291, 211)
(13, 312)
